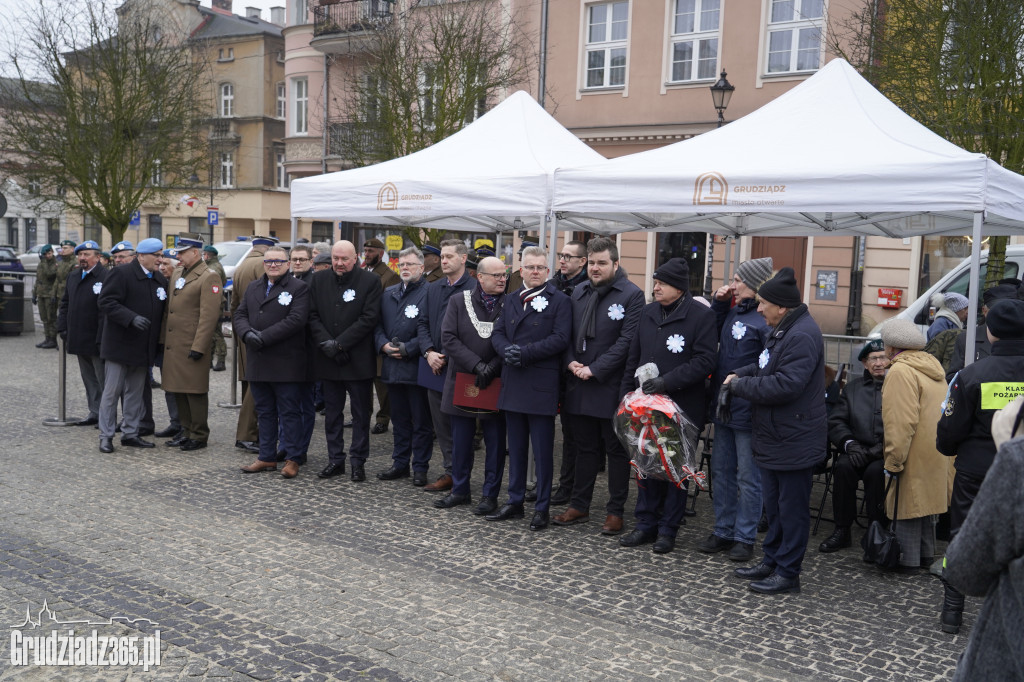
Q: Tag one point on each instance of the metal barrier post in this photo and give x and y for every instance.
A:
(234, 404)
(62, 393)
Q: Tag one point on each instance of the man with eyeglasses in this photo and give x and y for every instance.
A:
(220, 349)
(855, 428)
(397, 342)
(122, 252)
(301, 260)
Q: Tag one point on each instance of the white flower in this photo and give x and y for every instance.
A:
(180, 284)
(411, 311)
(539, 303)
(762, 359)
(284, 298)
(739, 330)
(616, 311)
(349, 295)
(675, 343)
(161, 294)
(97, 288)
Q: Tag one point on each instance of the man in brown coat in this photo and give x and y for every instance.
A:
(373, 254)
(192, 314)
(247, 272)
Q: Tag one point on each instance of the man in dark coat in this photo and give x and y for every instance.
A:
(78, 323)
(855, 428)
(605, 314)
(786, 387)
(271, 321)
(396, 339)
(677, 334)
(466, 338)
(344, 309)
(531, 335)
(373, 261)
(982, 346)
(132, 303)
(456, 279)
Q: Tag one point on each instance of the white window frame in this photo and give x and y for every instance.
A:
(281, 107)
(798, 24)
(607, 44)
(156, 177)
(227, 170)
(280, 171)
(699, 38)
(300, 106)
(427, 95)
(300, 13)
(227, 100)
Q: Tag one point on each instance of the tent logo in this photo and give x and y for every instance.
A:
(387, 197)
(710, 189)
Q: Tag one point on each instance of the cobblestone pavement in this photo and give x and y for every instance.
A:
(258, 577)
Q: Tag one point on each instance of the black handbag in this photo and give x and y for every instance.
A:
(880, 544)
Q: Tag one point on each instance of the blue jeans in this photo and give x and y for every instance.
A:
(737, 486)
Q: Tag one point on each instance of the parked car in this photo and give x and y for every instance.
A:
(957, 280)
(230, 254)
(9, 260)
(30, 259)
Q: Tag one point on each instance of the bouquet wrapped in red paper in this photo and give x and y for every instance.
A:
(659, 438)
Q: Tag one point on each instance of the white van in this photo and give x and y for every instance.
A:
(957, 280)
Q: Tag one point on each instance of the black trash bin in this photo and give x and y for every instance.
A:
(12, 304)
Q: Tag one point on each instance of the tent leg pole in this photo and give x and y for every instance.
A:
(727, 263)
(972, 288)
(552, 261)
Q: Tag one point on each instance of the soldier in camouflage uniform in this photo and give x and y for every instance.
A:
(42, 295)
(65, 264)
(220, 349)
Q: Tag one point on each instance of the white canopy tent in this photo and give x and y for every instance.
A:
(832, 155)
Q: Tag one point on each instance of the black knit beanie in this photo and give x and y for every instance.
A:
(781, 289)
(675, 273)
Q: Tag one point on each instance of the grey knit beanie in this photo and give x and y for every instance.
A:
(754, 272)
(902, 334)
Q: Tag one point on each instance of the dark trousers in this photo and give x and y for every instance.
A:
(194, 412)
(442, 428)
(361, 393)
(279, 414)
(410, 426)
(965, 489)
(308, 420)
(525, 430)
(172, 409)
(844, 491)
(787, 500)
(570, 452)
(147, 402)
(659, 506)
(383, 400)
(463, 432)
(595, 437)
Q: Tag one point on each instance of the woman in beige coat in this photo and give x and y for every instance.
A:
(912, 398)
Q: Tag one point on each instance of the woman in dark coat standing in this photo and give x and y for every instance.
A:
(678, 335)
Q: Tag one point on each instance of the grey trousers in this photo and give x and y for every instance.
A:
(129, 382)
(917, 540)
(442, 428)
(91, 369)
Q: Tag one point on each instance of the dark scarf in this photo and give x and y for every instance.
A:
(567, 284)
(489, 301)
(667, 310)
(526, 294)
(588, 321)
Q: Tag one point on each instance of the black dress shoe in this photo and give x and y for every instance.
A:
(331, 470)
(756, 572)
(137, 442)
(451, 500)
(419, 478)
(539, 521)
(169, 432)
(664, 544)
(776, 584)
(145, 432)
(531, 495)
(89, 421)
(507, 511)
(393, 474)
(218, 366)
(190, 445)
(347, 424)
(319, 407)
(106, 445)
(741, 551)
(486, 506)
(840, 539)
(177, 441)
(560, 497)
(358, 473)
(714, 543)
(377, 429)
(637, 537)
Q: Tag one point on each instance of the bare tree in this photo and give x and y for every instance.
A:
(113, 122)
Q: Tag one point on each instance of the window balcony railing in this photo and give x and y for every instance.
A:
(348, 140)
(352, 16)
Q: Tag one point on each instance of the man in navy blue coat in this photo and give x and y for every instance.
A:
(605, 313)
(78, 323)
(531, 335)
(271, 321)
(132, 301)
(677, 334)
(786, 387)
(401, 308)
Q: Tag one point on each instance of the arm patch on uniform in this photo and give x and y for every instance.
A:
(995, 395)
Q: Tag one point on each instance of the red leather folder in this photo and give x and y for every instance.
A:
(469, 396)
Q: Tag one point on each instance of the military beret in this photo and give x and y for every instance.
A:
(211, 249)
(87, 245)
(151, 245)
(872, 346)
(45, 248)
(68, 242)
(124, 245)
(373, 244)
(170, 253)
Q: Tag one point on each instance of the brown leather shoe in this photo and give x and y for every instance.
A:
(291, 469)
(612, 525)
(570, 516)
(258, 466)
(442, 483)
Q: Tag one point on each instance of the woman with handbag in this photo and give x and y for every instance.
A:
(912, 398)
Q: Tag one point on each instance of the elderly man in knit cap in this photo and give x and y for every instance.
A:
(982, 346)
(855, 428)
(742, 333)
(976, 393)
(952, 309)
(786, 388)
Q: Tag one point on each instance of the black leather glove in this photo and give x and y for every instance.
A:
(195, 356)
(342, 357)
(514, 356)
(329, 348)
(254, 339)
(858, 454)
(655, 385)
(484, 375)
(723, 408)
(141, 323)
